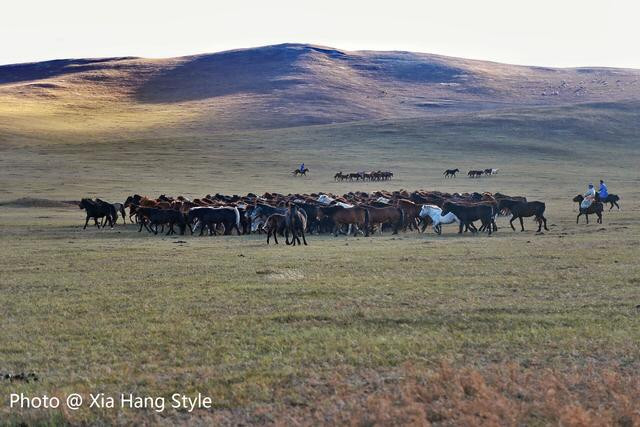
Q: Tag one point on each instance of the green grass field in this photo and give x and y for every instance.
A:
(516, 328)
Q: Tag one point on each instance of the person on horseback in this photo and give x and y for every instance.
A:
(302, 167)
(603, 192)
(589, 197)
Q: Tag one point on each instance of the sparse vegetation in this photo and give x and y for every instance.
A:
(518, 328)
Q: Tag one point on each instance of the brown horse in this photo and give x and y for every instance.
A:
(596, 207)
(380, 216)
(340, 216)
(411, 213)
(295, 223)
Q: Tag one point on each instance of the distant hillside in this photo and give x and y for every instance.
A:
(281, 86)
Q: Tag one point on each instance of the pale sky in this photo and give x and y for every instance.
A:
(541, 32)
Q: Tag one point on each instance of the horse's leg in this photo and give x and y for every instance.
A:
(85, 223)
(511, 223)
(461, 225)
(95, 220)
(303, 238)
(521, 224)
(587, 216)
(578, 218)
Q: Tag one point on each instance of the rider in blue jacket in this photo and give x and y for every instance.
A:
(603, 192)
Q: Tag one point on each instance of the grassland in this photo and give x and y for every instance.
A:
(517, 328)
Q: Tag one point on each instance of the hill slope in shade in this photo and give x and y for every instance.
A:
(281, 86)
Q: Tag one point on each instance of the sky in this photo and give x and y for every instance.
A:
(562, 33)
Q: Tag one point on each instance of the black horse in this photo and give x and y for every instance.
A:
(594, 208)
(451, 172)
(521, 210)
(612, 199)
(209, 217)
(300, 172)
(469, 213)
(97, 210)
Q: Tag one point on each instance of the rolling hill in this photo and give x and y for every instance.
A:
(277, 87)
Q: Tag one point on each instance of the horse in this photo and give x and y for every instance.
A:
(295, 223)
(411, 213)
(260, 212)
(451, 172)
(611, 199)
(340, 176)
(300, 172)
(594, 208)
(475, 173)
(209, 216)
(118, 207)
(435, 213)
(96, 210)
(520, 210)
(343, 216)
(276, 223)
(469, 213)
(160, 217)
(394, 216)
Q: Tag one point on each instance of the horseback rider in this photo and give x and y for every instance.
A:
(302, 167)
(589, 197)
(603, 192)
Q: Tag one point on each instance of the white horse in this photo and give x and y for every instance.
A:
(435, 213)
(325, 200)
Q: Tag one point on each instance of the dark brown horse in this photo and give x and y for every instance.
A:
(340, 216)
(380, 216)
(411, 213)
(596, 207)
(295, 223)
(520, 210)
(451, 173)
(274, 225)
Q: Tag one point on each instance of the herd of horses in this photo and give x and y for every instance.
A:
(473, 173)
(364, 176)
(294, 216)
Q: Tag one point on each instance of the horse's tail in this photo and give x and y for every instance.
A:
(366, 222)
(237, 217)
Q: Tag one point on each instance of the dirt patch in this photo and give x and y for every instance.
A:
(281, 275)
